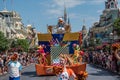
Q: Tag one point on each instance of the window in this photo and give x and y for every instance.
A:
(112, 5)
(6, 15)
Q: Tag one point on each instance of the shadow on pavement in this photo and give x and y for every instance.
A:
(101, 71)
(31, 74)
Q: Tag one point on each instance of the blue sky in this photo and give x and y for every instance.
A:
(42, 12)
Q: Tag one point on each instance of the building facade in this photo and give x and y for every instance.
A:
(13, 28)
(11, 25)
(104, 27)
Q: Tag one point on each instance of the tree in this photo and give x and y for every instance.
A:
(22, 43)
(91, 42)
(98, 41)
(4, 44)
(116, 26)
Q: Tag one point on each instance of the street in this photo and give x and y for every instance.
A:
(95, 73)
(60, 32)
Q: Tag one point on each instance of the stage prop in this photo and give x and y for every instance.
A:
(44, 37)
(56, 51)
(59, 43)
(48, 70)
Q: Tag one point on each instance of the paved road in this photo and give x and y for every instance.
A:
(94, 74)
(29, 73)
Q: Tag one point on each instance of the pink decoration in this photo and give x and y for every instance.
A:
(74, 45)
(41, 50)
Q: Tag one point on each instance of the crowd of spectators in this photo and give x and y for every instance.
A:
(24, 58)
(105, 60)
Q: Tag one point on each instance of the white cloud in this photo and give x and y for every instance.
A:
(68, 3)
(55, 11)
(57, 6)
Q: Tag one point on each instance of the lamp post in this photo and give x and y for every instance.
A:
(111, 41)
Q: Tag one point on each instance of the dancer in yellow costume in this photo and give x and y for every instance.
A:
(77, 58)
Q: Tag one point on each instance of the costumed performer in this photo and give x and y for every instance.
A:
(76, 56)
(42, 56)
(61, 24)
(66, 73)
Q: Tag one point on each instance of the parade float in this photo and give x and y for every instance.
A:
(59, 43)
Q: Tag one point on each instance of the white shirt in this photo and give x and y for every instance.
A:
(64, 76)
(14, 68)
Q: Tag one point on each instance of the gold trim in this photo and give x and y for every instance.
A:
(71, 36)
(44, 37)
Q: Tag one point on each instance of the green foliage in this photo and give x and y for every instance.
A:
(13, 44)
(91, 42)
(98, 42)
(116, 26)
(23, 43)
(20, 43)
(4, 44)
